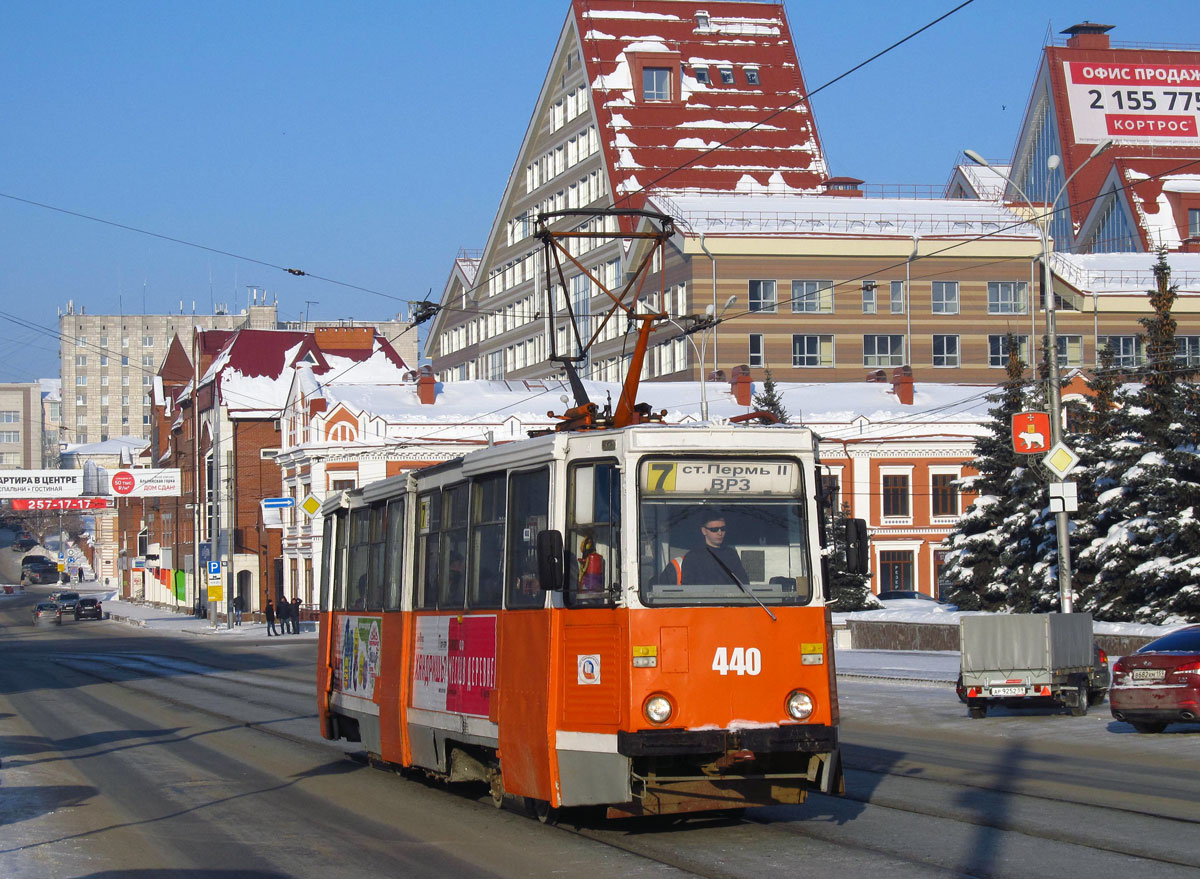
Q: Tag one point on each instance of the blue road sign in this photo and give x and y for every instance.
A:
(276, 503)
(205, 553)
(214, 569)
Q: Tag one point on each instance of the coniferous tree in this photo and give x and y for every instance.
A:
(993, 547)
(852, 591)
(1145, 556)
(769, 399)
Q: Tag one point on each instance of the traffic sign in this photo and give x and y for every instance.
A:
(277, 503)
(1061, 460)
(311, 505)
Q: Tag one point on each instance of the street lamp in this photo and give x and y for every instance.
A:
(709, 321)
(1054, 394)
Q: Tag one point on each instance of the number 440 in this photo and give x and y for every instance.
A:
(737, 660)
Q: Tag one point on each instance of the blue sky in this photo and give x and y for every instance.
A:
(367, 142)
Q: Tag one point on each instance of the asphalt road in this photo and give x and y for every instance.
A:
(133, 754)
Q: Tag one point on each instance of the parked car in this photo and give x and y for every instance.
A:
(1159, 684)
(67, 601)
(24, 542)
(1099, 679)
(40, 570)
(47, 611)
(88, 609)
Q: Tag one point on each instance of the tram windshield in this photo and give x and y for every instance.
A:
(723, 532)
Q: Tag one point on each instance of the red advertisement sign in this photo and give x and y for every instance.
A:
(1031, 433)
(1134, 103)
(455, 663)
(1151, 126)
(62, 503)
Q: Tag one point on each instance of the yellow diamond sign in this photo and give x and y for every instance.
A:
(310, 505)
(1061, 460)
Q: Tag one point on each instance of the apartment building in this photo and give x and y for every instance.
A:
(21, 426)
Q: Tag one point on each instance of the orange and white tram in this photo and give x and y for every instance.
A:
(624, 618)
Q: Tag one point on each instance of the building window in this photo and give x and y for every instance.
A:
(10, 416)
(812, 296)
(124, 361)
(883, 350)
(812, 351)
(80, 380)
(10, 436)
(895, 570)
(897, 291)
(1006, 297)
(124, 381)
(656, 84)
(945, 297)
(943, 495)
(1193, 222)
(81, 360)
(868, 294)
(81, 399)
(1070, 350)
(998, 350)
(1127, 350)
(752, 76)
(945, 351)
(702, 20)
(756, 349)
(726, 75)
(762, 296)
(1187, 350)
(895, 496)
(147, 341)
(104, 360)
(702, 76)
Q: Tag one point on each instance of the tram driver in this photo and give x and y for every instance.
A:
(711, 562)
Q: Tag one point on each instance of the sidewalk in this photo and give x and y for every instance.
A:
(167, 620)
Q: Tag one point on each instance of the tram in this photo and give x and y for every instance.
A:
(633, 617)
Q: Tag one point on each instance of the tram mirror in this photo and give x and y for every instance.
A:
(585, 495)
(857, 546)
(550, 560)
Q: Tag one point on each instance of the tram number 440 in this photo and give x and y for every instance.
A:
(737, 660)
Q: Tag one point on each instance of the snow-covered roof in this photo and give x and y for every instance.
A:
(746, 53)
(985, 182)
(1117, 273)
(825, 215)
(114, 446)
(51, 389)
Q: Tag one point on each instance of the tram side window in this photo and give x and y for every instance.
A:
(327, 553)
(429, 526)
(394, 564)
(528, 509)
(593, 534)
(454, 547)
(359, 566)
(376, 576)
(487, 541)
(338, 549)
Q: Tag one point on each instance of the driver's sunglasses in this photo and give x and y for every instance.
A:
(706, 528)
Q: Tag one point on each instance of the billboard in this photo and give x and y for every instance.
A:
(41, 483)
(63, 503)
(145, 482)
(1134, 103)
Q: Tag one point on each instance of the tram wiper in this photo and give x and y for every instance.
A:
(740, 584)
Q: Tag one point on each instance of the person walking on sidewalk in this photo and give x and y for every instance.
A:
(239, 605)
(295, 614)
(269, 613)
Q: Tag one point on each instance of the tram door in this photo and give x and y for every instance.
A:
(524, 680)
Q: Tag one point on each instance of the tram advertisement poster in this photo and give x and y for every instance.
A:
(455, 667)
(358, 651)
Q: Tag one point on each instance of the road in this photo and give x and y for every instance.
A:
(129, 753)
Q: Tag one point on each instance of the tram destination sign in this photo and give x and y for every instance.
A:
(41, 483)
(717, 477)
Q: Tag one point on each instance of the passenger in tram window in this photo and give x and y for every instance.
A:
(454, 591)
(712, 562)
(591, 569)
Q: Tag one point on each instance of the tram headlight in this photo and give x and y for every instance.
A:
(799, 705)
(658, 709)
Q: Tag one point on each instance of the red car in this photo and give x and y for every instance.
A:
(1160, 683)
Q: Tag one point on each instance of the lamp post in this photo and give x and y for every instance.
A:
(1054, 392)
(709, 321)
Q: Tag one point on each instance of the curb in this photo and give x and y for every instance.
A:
(129, 621)
(892, 679)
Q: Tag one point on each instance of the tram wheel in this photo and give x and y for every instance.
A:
(542, 810)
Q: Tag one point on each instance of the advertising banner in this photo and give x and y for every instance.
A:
(455, 663)
(146, 482)
(63, 503)
(1134, 103)
(358, 647)
(41, 483)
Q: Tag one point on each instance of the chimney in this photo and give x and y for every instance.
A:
(426, 386)
(318, 404)
(1088, 36)
(902, 384)
(846, 187)
(741, 385)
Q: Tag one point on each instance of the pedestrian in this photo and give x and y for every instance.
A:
(285, 615)
(269, 613)
(239, 605)
(295, 614)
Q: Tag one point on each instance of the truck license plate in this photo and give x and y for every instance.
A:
(1007, 691)
(1148, 674)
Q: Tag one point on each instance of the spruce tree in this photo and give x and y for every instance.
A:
(1145, 555)
(852, 591)
(993, 547)
(769, 400)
